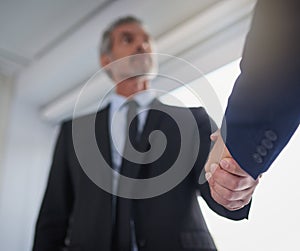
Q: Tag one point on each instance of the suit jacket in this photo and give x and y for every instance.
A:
(77, 215)
(263, 110)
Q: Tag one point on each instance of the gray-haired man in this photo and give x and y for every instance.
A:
(78, 215)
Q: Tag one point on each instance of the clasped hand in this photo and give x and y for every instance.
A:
(230, 185)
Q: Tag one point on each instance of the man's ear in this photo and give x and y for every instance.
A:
(105, 60)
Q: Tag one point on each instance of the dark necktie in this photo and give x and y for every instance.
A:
(122, 236)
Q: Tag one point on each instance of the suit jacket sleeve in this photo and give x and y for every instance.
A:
(263, 110)
(53, 219)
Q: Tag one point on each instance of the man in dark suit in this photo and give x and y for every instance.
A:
(263, 110)
(78, 214)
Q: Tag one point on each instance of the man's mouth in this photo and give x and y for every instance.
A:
(142, 58)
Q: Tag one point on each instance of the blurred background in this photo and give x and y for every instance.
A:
(49, 49)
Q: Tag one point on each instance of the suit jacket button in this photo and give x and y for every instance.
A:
(271, 135)
(141, 243)
(257, 158)
(262, 150)
(267, 143)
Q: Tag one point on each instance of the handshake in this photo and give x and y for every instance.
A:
(229, 184)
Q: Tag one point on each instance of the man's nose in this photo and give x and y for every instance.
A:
(142, 47)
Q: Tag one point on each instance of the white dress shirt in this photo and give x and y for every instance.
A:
(117, 121)
(117, 128)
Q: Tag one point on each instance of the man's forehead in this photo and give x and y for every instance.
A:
(132, 28)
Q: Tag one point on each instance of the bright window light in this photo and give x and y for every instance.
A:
(221, 80)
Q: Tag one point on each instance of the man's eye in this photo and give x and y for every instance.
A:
(147, 40)
(127, 39)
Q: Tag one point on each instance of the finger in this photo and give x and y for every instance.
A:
(208, 176)
(213, 167)
(229, 199)
(210, 169)
(230, 205)
(231, 181)
(218, 152)
(230, 195)
(231, 166)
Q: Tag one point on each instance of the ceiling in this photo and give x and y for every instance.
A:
(30, 29)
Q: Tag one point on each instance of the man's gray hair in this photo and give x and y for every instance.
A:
(106, 42)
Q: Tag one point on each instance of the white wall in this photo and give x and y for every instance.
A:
(29, 143)
(6, 88)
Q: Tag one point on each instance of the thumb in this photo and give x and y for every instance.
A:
(231, 166)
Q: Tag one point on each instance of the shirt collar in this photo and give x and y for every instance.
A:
(143, 98)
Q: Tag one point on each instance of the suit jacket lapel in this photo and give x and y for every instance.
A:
(152, 122)
(103, 135)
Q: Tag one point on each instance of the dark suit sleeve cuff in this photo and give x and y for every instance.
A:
(239, 214)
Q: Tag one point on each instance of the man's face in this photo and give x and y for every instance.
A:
(129, 40)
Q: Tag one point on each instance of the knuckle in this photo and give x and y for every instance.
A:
(225, 193)
(237, 184)
(206, 167)
(236, 205)
(233, 184)
(229, 195)
(228, 204)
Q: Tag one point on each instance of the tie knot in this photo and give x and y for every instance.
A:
(132, 110)
(132, 105)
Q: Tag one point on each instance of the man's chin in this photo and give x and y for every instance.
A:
(138, 76)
